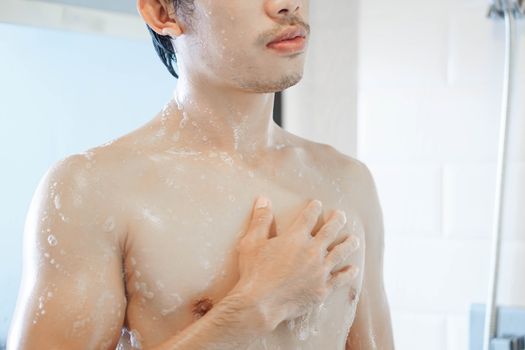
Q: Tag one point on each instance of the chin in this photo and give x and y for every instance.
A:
(272, 84)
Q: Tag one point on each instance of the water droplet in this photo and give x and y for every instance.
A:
(174, 305)
(226, 158)
(160, 133)
(147, 214)
(57, 201)
(206, 264)
(176, 136)
(77, 200)
(63, 218)
(52, 240)
(179, 105)
(184, 120)
(135, 338)
(109, 224)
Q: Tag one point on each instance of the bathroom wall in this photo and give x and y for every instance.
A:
(322, 107)
(429, 76)
(61, 93)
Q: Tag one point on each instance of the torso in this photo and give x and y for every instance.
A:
(185, 211)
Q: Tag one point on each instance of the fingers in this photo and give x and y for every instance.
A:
(261, 221)
(308, 217)
(330, 229)
(343, 277)
(342, 251)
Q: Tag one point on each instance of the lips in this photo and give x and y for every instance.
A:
(289, 46)
(289, 34)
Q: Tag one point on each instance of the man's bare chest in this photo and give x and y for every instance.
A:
(180, 251)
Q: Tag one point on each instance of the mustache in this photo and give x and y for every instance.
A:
(288, 22)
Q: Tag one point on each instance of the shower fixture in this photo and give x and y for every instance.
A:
(509, 11)
(499, 7)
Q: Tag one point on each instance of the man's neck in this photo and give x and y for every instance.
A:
(225, 119)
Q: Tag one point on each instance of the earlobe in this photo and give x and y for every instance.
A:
(171, 31)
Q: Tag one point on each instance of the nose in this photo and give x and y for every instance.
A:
(280, 9)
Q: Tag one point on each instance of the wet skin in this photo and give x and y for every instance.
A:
(140, 233)
(166, 218)
(195, 205)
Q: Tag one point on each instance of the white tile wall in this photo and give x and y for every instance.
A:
(436, 275)
(428, 126)
(430, 329)
(322, 107)
(402, 42)
(416, 196)
(457, 327)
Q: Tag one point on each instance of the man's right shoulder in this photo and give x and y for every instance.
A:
(94, 171)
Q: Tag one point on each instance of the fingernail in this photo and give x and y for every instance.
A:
(262, 202)
(318, 203)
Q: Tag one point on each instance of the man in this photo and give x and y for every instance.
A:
(156, 233)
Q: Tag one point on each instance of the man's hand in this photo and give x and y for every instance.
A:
(294, 271)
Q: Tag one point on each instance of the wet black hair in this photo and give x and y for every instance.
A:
(162, 43)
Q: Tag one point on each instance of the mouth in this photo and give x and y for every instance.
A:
(295, 44)
(291, 40)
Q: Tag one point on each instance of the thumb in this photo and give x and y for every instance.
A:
(262, 218)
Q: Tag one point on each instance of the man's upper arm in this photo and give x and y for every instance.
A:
(71, 294)
(372, 327)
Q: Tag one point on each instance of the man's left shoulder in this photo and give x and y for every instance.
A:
(340, 164)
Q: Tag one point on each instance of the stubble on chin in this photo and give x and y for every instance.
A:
(263, 85)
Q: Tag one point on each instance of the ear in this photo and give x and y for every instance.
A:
(160, 16)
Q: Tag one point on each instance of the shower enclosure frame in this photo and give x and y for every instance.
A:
(509, 10)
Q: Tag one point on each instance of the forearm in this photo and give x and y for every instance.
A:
(233, 323)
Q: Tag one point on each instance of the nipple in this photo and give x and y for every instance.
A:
(202, 306)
